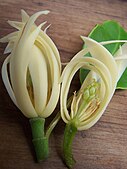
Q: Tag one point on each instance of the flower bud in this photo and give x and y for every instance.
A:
(34, 67)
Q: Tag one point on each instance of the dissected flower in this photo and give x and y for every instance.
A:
(102, 77)
(90, 102)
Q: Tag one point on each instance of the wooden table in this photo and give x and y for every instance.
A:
(104, 146)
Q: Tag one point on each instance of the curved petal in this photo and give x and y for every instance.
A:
(6, 81)
(19, 61)
(121, 64)
(6, 38)
(9, 48)
(99, 52)
(38, 72)
(30, 23)
(24, 15)
(17, 25)
(55, 75)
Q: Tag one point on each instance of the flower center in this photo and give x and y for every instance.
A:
(86, 102)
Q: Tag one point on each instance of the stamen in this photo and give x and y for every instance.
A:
(91, 108)
(77, 103)
(73, 105)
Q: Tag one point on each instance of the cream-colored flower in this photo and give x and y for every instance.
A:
(34, 67)
(90, 102)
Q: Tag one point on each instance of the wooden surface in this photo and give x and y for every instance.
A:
(102, 147)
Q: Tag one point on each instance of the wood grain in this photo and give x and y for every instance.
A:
(102, 147)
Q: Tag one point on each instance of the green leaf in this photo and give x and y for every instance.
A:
(109, 30)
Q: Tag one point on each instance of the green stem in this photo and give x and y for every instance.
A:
(69, 134)
(40, 139)
(40, 142)
(56, 119)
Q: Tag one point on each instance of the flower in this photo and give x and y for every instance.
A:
(91, 100)
(34, 67)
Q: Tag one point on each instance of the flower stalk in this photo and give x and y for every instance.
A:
(83, 105)
(40, 141)
(69, 134)
(33, 78)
